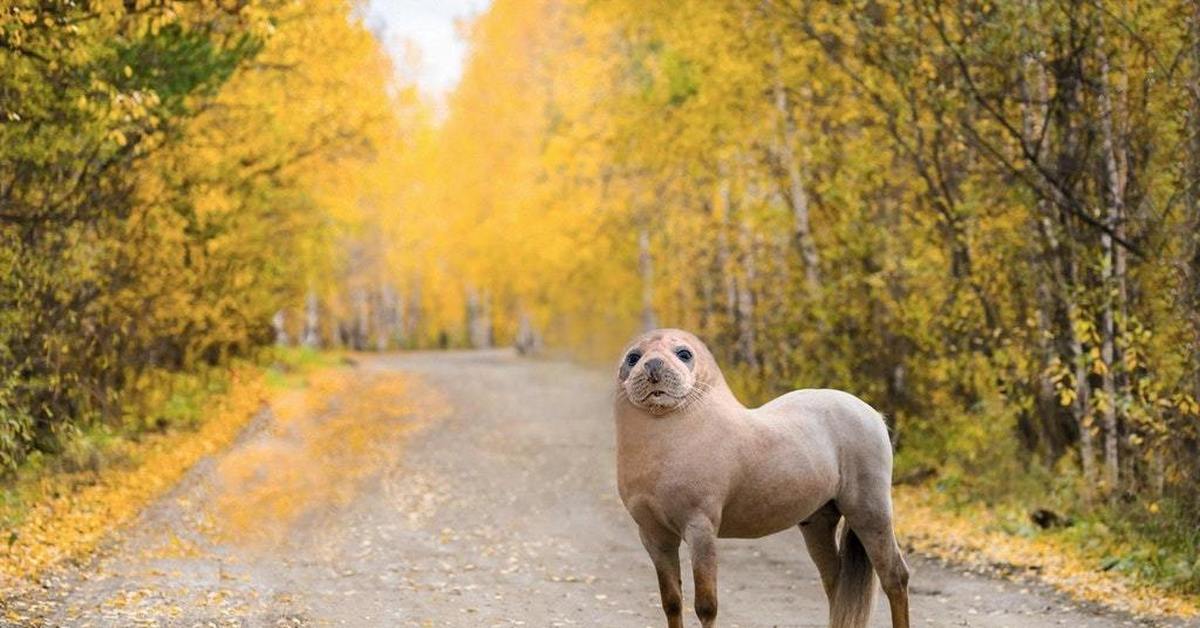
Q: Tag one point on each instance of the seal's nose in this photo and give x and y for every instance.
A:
(654, 368)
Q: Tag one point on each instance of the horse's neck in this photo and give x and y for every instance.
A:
(642, 434)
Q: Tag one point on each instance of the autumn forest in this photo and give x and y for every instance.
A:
(982, 218)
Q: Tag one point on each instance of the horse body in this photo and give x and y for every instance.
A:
(694, 464)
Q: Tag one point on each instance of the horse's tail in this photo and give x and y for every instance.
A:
(854, 591)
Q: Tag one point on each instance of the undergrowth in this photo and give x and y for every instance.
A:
(169, 408)
(1151, 544)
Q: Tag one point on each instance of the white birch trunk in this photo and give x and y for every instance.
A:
(729, 282)
(797, 196)
(646, 272)
(479, 330)
(279, 324)
(1112, 271)
(312, 330)
(747, 341)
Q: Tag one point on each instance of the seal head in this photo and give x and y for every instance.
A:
(666, 370)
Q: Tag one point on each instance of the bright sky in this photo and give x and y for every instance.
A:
(429, 25)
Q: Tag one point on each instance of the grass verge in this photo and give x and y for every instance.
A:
(59, 507)
(1081, 560)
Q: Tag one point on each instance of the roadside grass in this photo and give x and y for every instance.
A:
(58, 506)
(1102, 554)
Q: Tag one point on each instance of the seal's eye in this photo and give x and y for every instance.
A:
(684, 354)
(633, 358)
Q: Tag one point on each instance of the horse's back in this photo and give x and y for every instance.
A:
(849, 426)
(839, 412)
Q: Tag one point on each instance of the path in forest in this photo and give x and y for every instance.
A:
(501, 512)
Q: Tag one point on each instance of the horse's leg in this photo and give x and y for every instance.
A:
(873, 526)
(884, 552)
(820, 536)
(701, 537)
(663, 547)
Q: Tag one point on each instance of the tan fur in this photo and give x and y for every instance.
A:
(694, 464)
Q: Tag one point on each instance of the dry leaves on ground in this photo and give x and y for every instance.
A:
(974, 538)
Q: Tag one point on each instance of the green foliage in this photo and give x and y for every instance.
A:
(175, 64)
(288, 365)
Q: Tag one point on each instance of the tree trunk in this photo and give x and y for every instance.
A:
(708, 322)
(312, 331)
(1052, 300)
(1060, 259)
(1081, 407)
(401, 330)
(745, 301)
(479, 320)
(362, 320)
(724, 211)
(1065, 278)
(279, 324)
(1112, 272)
(646, 271)
(385, 317)
(414, 316)
(806, 246)
(1191, 245)
(528, 341)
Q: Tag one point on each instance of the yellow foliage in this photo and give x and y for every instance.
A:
(327, 440)
(890, 199)
(71, 512)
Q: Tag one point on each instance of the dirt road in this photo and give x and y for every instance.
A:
(502, 512)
